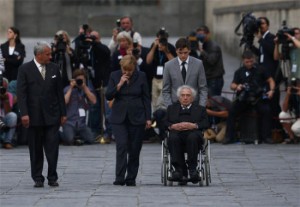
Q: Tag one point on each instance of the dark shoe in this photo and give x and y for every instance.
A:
(7, 146)
(119, 183)
(130, 183)
(183, 182)
(53, 183)
(78, 142)
(227, 141)
(194, 177)
(176, 176)
(268, 141)
(38, 184)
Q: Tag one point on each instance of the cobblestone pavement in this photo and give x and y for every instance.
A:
(242, 176)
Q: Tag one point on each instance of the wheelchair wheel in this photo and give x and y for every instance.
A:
(164, 164)
(207, 164)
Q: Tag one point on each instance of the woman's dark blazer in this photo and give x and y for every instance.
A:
(132, 100)
(12, 62)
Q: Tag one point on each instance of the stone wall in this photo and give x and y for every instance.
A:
(6, 16)
(42, 18)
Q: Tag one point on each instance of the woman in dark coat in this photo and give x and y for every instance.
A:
(13, 52)
(131, 113)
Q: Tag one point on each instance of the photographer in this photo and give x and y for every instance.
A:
(100, 62)
(211, 55)
(248, 82)
(267, 61)
(83, 46)
(293, 56)
(7, 117)
(77, 97)
(290, 114)
(160, 52)
(124, 24)
(64, 56)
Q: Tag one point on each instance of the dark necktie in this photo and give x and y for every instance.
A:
(183, 71)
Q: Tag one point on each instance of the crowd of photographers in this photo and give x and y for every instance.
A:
(85, 71)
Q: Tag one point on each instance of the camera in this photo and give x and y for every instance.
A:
(135, 50)
(2, 88)
(79, 82)
(194, 40)
(162, 33)
(250, 27)
(293, 84)
(250, 93)
(118, 24)
(3, 127)
(282, 38)
(61, 45)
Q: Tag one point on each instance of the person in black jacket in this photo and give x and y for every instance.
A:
(185, 120)
(131, 113)
(211, 55)
(13, 52)
(42, 108)
(265, 54)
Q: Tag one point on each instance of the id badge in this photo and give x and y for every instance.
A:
(261, 60)
(81, 112)
(294, 68)
(139, 61)
(159, 70)
(120, 57)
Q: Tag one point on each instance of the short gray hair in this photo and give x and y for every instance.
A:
(124, 35)
(40, 46)
(179, 89)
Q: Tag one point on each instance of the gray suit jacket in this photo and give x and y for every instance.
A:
(195, 77)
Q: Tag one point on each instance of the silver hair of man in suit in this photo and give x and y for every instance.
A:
(178, 92)
(40, 46)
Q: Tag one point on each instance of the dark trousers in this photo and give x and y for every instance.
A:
(215, 86)
(264, 120)
(42, 138)
(129, 139)
(187, 141)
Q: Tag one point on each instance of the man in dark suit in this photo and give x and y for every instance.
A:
(184, 70)
(265, 54)
(42, 107)
(185, 120)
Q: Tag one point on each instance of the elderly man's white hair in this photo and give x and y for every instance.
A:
(40, 46)
(186, 87)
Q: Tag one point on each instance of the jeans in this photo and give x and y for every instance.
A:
(70, 131)
(215, 86)
(10, 120)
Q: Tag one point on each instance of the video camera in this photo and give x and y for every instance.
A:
(61, 45)
(83, 44)
(2, 88)
(250, 27)
(282, 38)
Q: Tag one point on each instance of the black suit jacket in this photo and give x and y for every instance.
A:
(12, 62)
(267, 44)
(132, 100)
(43, 100)
(198, 115)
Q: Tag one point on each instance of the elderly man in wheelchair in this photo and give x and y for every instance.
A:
(185, 121)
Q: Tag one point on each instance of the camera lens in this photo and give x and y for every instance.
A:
(79, 82)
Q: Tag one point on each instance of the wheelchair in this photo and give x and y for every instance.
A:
(203, 167)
